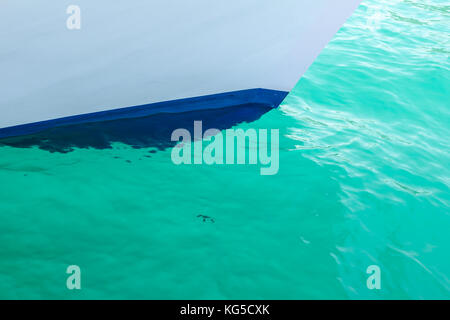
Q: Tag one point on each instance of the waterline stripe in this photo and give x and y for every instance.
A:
(270, 98)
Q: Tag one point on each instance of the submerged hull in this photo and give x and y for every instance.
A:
(143, 52)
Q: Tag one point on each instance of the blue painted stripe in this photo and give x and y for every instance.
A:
(270, 98)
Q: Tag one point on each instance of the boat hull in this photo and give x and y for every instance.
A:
(141, 52)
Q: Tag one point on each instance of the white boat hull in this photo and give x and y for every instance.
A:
(138, 52)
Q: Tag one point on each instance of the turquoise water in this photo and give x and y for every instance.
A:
(363, 180)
